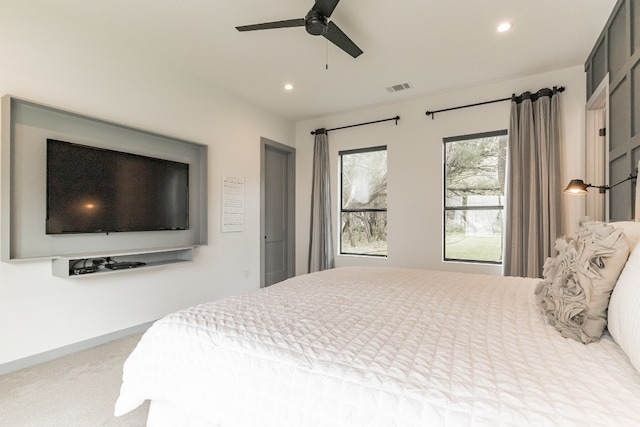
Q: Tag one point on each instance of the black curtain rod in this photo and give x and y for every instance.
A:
(323, 130)
(518, 99)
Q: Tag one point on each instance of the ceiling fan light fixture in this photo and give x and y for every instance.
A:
(315, 23)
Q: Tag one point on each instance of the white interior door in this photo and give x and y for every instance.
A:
(596, 164)
(596, 149)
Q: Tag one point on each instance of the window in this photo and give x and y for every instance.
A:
(474, 180)
(363, 206)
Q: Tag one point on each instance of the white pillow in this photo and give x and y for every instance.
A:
(624, 309)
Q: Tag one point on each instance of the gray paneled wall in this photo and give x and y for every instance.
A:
(617, 52)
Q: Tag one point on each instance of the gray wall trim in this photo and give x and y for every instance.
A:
(36, 359)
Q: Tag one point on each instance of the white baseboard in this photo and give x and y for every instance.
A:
(36, 359)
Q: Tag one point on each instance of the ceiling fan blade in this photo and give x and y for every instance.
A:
(340, 39)
(325, 7)
(271, 25)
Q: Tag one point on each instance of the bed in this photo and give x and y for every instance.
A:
(368, 346)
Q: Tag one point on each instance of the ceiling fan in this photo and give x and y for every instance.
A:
(316, 23)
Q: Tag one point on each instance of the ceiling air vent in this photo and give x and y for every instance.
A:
(397, 88)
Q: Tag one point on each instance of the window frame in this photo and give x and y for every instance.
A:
(445, 208)
(342, 210)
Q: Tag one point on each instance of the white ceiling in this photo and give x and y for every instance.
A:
(434, 45)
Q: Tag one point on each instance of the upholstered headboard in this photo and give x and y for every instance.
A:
(623, 314)
(632, 228)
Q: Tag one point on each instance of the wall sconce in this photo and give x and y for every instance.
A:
(577, 186)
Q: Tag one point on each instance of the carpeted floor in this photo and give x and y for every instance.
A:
(76, 390)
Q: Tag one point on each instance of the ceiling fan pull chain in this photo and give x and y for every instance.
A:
(326, 53)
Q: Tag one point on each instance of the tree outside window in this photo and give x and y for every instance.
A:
(474, 179)
(364, 201)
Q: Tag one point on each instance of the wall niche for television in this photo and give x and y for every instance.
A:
(26, 126)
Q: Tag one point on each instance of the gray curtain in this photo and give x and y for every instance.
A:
(321, 255)
(533, 216)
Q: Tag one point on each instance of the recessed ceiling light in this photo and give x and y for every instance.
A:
(288, 86)
(505, 26)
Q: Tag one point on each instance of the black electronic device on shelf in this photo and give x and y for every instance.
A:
(84, 270)
(84, 266)
(124, 265)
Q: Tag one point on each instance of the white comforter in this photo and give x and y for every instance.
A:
(380, 347)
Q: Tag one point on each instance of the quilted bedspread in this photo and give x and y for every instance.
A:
(362, 346)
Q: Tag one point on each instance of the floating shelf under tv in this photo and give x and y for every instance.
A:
(72, 266)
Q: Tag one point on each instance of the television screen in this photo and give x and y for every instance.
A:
(94, 190)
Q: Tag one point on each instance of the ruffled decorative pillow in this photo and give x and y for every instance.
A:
(577, 285)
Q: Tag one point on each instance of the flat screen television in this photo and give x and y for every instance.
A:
(95, 190)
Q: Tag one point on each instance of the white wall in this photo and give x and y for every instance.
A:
(415, 163)
(42, 62)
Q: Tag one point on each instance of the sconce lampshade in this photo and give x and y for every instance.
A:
(576, 186)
